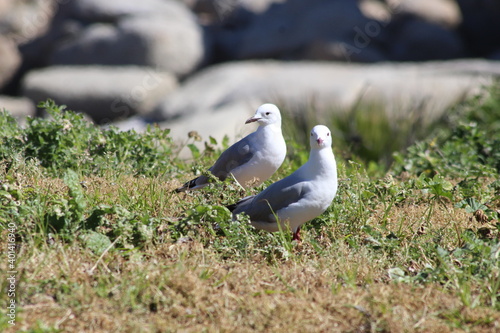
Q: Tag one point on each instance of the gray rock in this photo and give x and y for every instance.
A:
(114, 10)
(414, 39)
(495, 55)
(18, 107)
(445, 13)
(228, 11)
(480, 26)
(168, 43)
(341, 51)
(101, 44)
(10, 60)
(24, 20)
(217, 100)
(168, 38)
(375, 9)
(104, 93)
(288, 30)
(136, 123)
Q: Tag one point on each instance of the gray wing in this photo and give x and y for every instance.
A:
(277, 196)
(238, 154)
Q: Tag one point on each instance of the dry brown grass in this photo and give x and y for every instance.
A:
(189, 287)
(185, 287)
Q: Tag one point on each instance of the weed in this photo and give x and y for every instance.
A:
(67, 141)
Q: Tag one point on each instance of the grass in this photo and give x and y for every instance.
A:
(103, 245)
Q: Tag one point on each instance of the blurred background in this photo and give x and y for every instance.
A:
(381, 73)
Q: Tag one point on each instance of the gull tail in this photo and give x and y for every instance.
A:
(232, 207)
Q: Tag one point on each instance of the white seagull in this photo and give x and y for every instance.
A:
(300, 197)
(253, 159)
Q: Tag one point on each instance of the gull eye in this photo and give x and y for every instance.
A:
(268, 113)
(328, 134)
(311, 134)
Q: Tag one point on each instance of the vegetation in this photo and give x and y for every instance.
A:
(103, 244)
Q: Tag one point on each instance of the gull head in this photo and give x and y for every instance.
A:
(266, 114)
(321, 137)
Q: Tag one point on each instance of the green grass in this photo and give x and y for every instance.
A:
(103, 244)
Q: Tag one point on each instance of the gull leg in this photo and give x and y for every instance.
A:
(296, 235)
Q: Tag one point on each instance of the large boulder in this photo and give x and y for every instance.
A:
(217, 100)
(163, 35)
(104, 93)
(23, 20)
(480, 26)
(414, 39)
(110, 11)
(222, 8)
(18, 107)
(227, 12)
(10, 60)
(445, 13)
(290, 29)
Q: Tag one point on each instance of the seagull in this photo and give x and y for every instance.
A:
(300, 197)
(253, 159)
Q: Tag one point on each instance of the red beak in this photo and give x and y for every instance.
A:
(320, 141)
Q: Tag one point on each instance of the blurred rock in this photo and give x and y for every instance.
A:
(24, 20)
(167, 43)
(160, 34)
(110, 11)
(10, 60)
(97, 44)
(413, 39)
(341, 51)
(128, 38)
(495, 55)
(286, 30)
(104, 93)
(227, 93)
(5, 6)
(18, 107)
(375, 9)
(480, 28)
(222, 11)
(136, 123)
(445, 13)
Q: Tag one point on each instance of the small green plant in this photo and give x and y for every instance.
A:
(468, 152)
(476, 262)
(65, 215)
(67, 141)
(470, 149)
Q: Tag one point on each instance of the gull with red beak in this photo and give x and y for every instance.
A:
(253, 159)
(300, 197)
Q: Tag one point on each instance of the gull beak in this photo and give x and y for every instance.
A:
(252, 120)
(320, 141)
